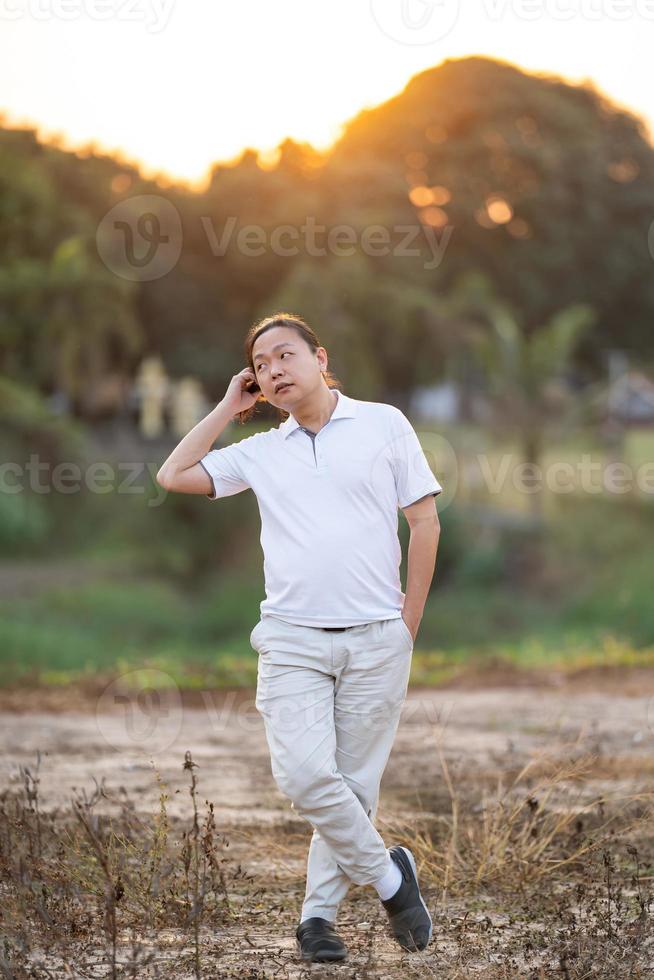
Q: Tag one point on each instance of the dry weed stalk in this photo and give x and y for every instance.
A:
(522, 835)
(125, 866)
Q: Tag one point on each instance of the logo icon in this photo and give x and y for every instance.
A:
(415, 21)
(140, 711)
(140, 238)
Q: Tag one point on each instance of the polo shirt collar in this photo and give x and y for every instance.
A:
(346, 408)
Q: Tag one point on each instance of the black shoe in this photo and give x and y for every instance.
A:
(318, 941)
(410, 921)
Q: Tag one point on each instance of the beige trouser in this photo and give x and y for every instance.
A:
(331, 704)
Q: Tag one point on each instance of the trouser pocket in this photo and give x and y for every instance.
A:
(253, 635)
(406, 631)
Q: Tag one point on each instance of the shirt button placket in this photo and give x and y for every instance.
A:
(311, 436)
(321, 456)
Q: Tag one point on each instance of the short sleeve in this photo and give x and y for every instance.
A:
(226, 468)
(414, 478)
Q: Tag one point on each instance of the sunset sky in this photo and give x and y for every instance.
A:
(177, 84)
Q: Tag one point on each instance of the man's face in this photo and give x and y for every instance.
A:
(281, 357)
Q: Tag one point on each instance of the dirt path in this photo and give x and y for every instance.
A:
(124, 741)
(482, 734)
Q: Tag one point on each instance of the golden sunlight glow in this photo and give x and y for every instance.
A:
(180, 84)
(623, 171)
(435, 217)
(436, 134)
(499, 210)
(519, 228)
(121, 183)
(421, 196)
(481, 217)
(268, 159)
(440, 195)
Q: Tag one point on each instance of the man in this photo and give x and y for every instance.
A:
(336, 633)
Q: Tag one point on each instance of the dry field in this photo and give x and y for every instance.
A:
(145, 837)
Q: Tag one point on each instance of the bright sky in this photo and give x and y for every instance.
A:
(177, 84)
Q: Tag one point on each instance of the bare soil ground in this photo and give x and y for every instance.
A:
(486, 729)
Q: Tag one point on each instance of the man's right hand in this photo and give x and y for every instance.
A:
(237, 399)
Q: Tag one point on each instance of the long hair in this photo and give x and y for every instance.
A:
(303, 330)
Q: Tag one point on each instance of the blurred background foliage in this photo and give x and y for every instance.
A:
(539, 195)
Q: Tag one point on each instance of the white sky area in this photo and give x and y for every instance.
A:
(177, 84)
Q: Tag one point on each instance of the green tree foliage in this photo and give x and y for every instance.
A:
(65, 319)
(569, 176)
(521, 369)
(373, 326)
(546, 187)
(34, 442)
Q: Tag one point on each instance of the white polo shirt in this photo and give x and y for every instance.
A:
(329, 510)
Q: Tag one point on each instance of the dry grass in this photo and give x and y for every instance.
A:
(565, 875)
(526, 832)
(68, 881)
(538, 878)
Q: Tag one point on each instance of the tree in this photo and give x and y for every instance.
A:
(384, 334)
(521, 368)
(549, 189)
(66, 322)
